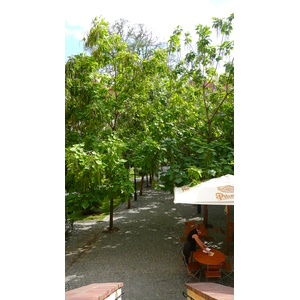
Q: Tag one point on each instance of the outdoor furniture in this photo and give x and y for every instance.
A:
(227, 270)
(182, 240)
(212, 263)
(209, 291)
(192, 269)
(216, 191)
(187, 230)
(100, 291)
(205, 259)
(189, 223)
(213, 271)
(203, 233)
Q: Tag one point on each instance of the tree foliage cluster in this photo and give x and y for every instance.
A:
(131, 102)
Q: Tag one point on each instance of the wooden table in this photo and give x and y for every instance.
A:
(205, 259)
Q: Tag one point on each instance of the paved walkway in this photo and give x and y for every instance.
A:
(143, 254)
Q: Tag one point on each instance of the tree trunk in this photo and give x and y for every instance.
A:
(142, 183)
(147, 180)
(210, 131)
(129, 203)
(111, 214)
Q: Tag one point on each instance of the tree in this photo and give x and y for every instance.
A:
(85, 173)
(126, 73)
(138, 38)
(116, 182)
(200, 67)
(84, 113)
(147, 157)
(129, 104)
(199, 105)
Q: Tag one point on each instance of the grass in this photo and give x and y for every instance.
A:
(92, 217)
(97, 215)
(103, 211)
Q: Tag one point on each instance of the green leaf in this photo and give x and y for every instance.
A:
(178, 180)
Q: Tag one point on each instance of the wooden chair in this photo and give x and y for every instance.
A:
(227, 268)
(188, 230)
(189, 223)
(208, 238)
(193, 269)
(213, 271)
(182, 240)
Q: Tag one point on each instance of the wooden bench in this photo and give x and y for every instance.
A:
(209, 291)
(96, 291)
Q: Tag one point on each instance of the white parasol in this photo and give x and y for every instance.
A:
(216, 191)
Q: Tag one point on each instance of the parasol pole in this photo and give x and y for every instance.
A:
(227, 229)
(205, 216)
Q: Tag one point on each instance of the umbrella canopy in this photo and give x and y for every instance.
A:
(216, 191)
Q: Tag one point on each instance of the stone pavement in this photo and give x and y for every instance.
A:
(143, 253)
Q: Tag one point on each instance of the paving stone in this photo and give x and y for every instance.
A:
(143, 254)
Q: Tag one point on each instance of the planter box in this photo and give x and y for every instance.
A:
(96, 291)
(209, 291)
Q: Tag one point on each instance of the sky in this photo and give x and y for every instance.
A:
(160, 17)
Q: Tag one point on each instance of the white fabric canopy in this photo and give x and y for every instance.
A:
(216, 191)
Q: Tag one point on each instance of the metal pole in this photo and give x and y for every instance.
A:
(227, 238)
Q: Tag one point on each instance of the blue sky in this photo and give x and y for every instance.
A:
(72, 46)
(161, 17)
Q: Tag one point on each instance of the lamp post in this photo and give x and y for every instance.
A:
(135, 195)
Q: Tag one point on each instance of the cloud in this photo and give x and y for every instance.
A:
(76, 33)
(161, 17)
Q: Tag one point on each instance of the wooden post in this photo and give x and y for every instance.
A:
(227, 229)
